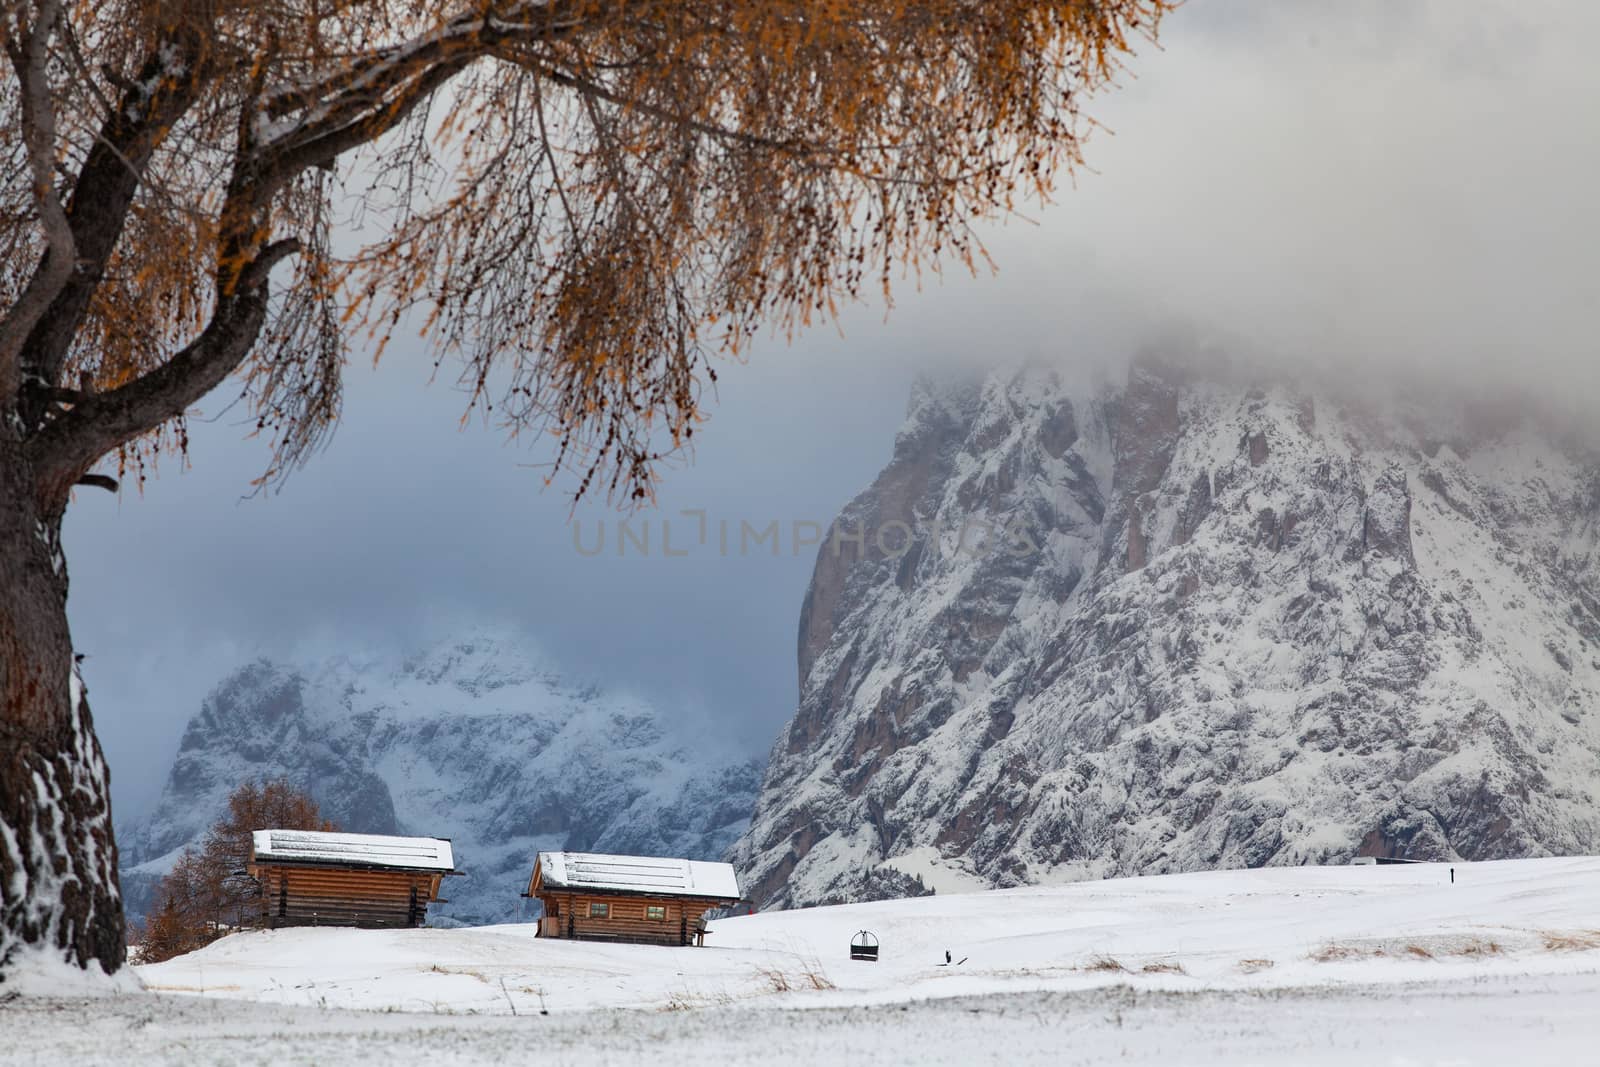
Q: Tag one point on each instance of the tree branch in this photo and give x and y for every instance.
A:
(30, 57)
(319, 145)
(101, 422)
(374, 93)
(464, 31)
(106, 186)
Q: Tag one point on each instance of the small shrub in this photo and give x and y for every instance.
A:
(1254, 966)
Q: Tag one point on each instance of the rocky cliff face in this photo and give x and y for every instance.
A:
(469, 740)
(1171, 623)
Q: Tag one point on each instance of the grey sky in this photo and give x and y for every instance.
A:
(1357, 184)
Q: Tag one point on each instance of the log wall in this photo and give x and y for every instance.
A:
(331, 896)
(568, 915)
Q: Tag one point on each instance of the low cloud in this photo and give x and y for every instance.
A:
(1364, 186)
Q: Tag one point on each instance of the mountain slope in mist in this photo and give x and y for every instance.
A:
(469, 740)
(1175, 622)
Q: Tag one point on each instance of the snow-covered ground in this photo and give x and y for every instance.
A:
(1308, 965)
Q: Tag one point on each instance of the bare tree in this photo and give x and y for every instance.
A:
(581, 203)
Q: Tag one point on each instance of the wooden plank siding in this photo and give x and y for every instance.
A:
(307, 895)
(568, 915)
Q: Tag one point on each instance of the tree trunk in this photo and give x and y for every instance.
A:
(58, 859)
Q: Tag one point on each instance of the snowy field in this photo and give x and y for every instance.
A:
(1289, 965)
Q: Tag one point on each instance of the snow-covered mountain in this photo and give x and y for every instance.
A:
(471, 740)
(1174, 621)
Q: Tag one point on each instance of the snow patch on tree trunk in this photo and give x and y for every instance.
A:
(60, 908)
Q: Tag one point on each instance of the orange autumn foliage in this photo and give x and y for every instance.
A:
(208, 892)
(582, 204)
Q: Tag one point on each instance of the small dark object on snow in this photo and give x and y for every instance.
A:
(864, 946)
(1452, 876)
(947, 956)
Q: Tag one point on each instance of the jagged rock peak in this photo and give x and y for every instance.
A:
(1191, 618)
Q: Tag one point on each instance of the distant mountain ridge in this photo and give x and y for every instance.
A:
(470, 739)
(1219, 623)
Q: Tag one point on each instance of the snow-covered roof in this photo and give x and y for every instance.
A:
(649, 875)
(355, 850)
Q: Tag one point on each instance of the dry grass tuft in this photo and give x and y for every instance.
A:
(1332, 953)
(1254, 966)
(1163, 967)
(1574, 941)
(814, 977)
(1477, 947)
(810, 976)
(776, 979)
(686, 1001)
(467, 971)
(1104, 963)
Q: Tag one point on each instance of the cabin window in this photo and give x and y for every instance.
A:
(654, 911)
(599, 910)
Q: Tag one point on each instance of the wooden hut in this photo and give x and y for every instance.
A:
(310, 878)
(628, 898)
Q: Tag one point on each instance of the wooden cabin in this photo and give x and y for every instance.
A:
(309, 878)
(628, 898)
